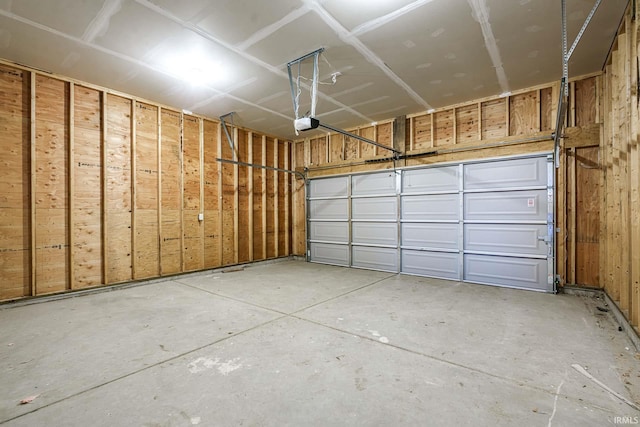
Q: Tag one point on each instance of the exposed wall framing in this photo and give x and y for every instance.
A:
(100, 188)
(619, 202)
(500, 126)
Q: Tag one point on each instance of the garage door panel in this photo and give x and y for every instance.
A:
(375, 233)
(377, 208)
(430, 235)
(516, 239)
(506, 206)
(431, 264)
(383, 259)
(482, 222)
(506, 174)
(525, 273)
(329, 187)
(374, 184)
(431, 180)
(329, 231)
(337, 209)
(327, 253)
(431, 208)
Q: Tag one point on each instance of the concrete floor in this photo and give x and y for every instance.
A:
(299, 344)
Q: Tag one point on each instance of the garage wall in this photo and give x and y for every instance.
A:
(520, 123)
(620, 201)
(100, 188)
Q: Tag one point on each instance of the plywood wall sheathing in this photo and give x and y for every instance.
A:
(100, 188)
(286, 229)
(277, 209)
(623, 120)
(242, 208)
(336, 149)
(15, 229)
(367, 150)
(443, 126)
(318, 147)
(634, 175)
(171, 183)
(494, 122)
(523, 113)
(421, 132)
(228, 202)
(192, 226)
(146, 230)
(118, 190)
(384, 136)
(615, 105)
(51, 184)
(271, 239)
(587, 231)
(257, 197)
(211, 196)
(87, 197)
(467, 123)
(298, 202)
(265, 175)
(546, 105)
(281, 219)
(585, 101)
(351, 148)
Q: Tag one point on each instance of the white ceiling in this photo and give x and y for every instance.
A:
(394, 56)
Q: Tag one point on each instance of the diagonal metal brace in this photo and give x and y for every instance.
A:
(226, 130)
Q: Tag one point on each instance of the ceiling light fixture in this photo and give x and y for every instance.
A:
(195, 68)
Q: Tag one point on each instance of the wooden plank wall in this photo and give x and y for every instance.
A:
(86, 214)
(99, 188)
(517, 124)
(51, 185)
(619, 202)
(147, 255)
(171, 193)
(15, 204)
(192, 227)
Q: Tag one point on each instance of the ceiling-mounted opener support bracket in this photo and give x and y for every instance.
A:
(226, 130)
(310, 122)
(563, 101)
(314, 85)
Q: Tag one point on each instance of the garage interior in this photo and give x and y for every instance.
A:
(462, 248)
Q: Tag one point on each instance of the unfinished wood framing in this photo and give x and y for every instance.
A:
(192, 249)
(146, 231)
(171, 201)
(100, 188)
(271, 241)
(228, 203)
(51, 185)
(616, 106)
(242, 213)
(86, 210)
(211, 196)
(15, 203)
(118, 189)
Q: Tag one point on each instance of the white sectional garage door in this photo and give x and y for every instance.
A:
(487, 222)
